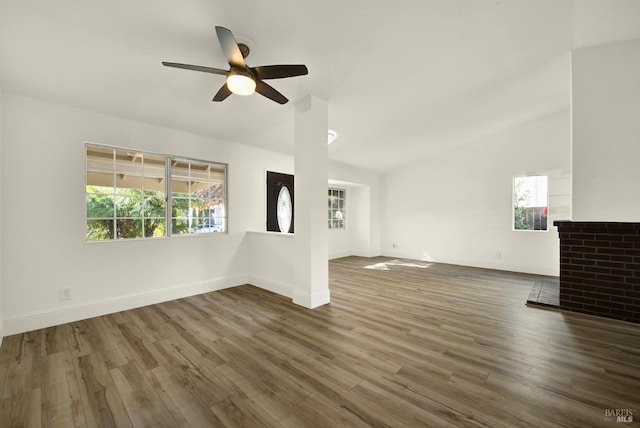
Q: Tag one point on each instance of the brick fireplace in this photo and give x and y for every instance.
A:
(600, 268)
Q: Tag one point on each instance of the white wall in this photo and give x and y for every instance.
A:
(363, 204)
(456, 207)
(272, 261)
(43, 209)
(355, 238)
(606, 132)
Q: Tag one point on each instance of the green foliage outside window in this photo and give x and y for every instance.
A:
(128, 194)
(138, 214)
(530, 209)
(519, 215)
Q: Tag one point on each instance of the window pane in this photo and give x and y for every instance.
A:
(128, 205)
(179, 178)
(154, 171)
(128, 169)
(336, 212)
(154, 207)
(100, 166)
(179, 207)
(198, 206)
(179, 226)
(179, 187)
(530, 210)
(154, 227)
(197, 190)
(99, 206)
(127, 228)
(99, 230)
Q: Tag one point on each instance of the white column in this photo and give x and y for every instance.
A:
(311, 288)
(606, 132)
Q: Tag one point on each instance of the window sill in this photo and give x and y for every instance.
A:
(264, 232)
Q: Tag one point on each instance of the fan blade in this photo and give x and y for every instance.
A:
(270, 92)
(230, 47)
(222, 94)
(279, 71)
(195, 68)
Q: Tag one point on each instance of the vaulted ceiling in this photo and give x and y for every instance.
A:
(403, 79)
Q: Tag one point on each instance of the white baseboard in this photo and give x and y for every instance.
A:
(347, 253)
(277, 287)
(311, 301)
(340, 254)
(364, 253)
(43, 319)
(503, 265)
(287, 290)
(506, 266)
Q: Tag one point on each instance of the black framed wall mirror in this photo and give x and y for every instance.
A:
(280, 202)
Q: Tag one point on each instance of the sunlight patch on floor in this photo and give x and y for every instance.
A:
(398, 262)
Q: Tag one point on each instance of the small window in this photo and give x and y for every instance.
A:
(530, 207)
(128, 195)
(336, 209)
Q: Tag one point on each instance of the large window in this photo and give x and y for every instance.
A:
(336, 208)
(530, 207)
(129, 194)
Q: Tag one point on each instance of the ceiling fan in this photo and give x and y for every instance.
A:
(242, 79)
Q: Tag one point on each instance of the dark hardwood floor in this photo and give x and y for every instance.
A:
(409, 346)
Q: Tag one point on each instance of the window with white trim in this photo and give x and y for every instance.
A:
(530, 205)
(337, 208)
(132, 194)
(197, 197)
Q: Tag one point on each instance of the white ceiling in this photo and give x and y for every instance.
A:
(403, 78)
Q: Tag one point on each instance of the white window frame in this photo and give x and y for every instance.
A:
(221, 223)
(531, 212)
(333, 222)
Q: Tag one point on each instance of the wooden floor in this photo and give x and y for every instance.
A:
(407, 346)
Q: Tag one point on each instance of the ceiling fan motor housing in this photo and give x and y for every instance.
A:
(245, 50)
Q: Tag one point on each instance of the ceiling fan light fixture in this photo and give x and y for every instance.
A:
(240, 82)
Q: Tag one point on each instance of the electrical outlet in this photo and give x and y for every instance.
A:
(395, 245)
(498, 255)
(65, 294)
